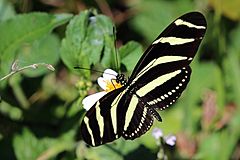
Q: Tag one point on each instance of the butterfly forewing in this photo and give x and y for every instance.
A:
(158, 79)
(179, 41)
(163, 71)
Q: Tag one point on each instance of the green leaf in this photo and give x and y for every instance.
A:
(116, 150)
(130, 53)
(109, 54)
(73, 47)
(232, 67)
(22, 29)
(27, 146)
(44, 50)
(88, 35)
(234, 131)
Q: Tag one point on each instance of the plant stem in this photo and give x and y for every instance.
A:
(15, 85)
(32, 66)
(19, 93)
(161, 155)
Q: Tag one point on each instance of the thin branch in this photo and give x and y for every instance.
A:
(15, 68)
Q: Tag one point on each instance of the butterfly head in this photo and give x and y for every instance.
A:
(121, 79)
(111, 80)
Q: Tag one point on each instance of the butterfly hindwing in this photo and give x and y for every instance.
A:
(100, 125)
(138, 119)
(163, 96)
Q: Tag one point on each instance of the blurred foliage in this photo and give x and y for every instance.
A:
(41, 111)
(229, 9)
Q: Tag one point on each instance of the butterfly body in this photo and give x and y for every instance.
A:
(120, 78)
(157, 81)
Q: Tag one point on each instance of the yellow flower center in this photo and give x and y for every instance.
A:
(112, 85)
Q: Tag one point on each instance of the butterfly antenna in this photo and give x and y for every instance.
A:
(116, 50)
(77, 67)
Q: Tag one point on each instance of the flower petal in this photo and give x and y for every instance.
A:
(157, 133)
(102, 83)
(170, 140)
(109, 74)
(90, 100)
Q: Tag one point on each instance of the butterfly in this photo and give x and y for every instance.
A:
(157, 81)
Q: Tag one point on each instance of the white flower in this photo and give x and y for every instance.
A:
(170, 140)
(157, 133)
(107, 82)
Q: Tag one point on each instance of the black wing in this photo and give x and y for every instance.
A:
(158, 79)
(101, 123)
(138, 121)
(163, 71)
(189, 26)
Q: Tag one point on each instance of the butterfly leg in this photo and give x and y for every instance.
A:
(155, 114)
(151, 109)
(113, 83)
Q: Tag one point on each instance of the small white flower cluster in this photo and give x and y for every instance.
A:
(168, 139)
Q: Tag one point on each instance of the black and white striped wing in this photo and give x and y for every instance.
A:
(181, 38)
(138, 118)
(163, 71)
(158, 79)
(101, 123)
(116, 114)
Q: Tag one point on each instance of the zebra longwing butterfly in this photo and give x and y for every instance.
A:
(157, 81)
